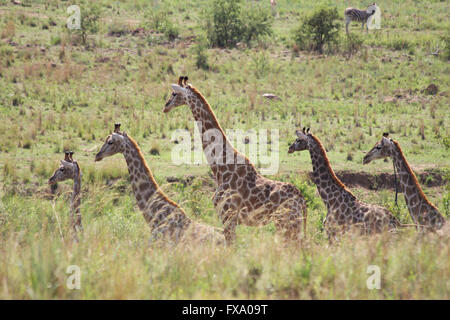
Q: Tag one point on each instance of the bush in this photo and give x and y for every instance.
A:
(318, 30)
(227, 24)
(400, 44)
(256, 23)
(159, 20)
(223, 23)
(89, 16)
(201, 58)
(446, 51)
(352, 44)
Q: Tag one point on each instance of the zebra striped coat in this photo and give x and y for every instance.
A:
(352, 14)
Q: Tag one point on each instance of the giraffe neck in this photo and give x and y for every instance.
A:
(76, 193)
(144, 185)
(331, 189)
(414, 197)
(228, 158)
(76, 199)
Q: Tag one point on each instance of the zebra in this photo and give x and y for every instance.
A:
(352, 14)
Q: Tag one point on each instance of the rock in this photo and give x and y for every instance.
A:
(271, 96)
(138, 31)
(432, 89)
(389, 99)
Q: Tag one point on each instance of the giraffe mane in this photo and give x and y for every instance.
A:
(149, 173)
(414, 178)
(203, 99)
(327, 163)
(78, 167)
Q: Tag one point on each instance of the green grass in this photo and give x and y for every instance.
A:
(57, 94)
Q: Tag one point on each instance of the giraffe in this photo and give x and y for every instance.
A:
(344, 209)
(70, 169)
(422, 211)
(243, 196)
(167, 220)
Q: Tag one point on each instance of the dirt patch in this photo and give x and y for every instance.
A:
(429, 178)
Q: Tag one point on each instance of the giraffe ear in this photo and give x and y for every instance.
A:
(178, 89)
(298, 133)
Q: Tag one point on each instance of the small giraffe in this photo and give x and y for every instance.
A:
(422, 211)
(69, 169)
(344, 209)
(167, 220)
(243, 196)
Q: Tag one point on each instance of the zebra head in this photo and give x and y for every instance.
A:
(372, 8)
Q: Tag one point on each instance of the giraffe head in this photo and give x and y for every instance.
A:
(114, 143)
(68, 169)
(381, 150)
(302, 141)
(179, 95)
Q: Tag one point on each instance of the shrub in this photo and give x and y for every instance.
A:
(256, 23)
(227, 24)
(201, 58)
(352, 44)
(159, 20)
(401, 44)
(446, 51)
(9, 30)
(118, 29)
(223, 25)
(90, 14)
(260, 65)
(318, 30)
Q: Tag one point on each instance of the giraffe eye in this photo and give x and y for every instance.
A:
(62, 169)
(110, 142)
(378, 147)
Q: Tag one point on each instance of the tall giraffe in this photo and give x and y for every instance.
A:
(242, 196)
(69, 169)
(422, 211)
(167, 220)
(344, 209)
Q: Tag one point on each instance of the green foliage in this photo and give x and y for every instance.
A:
(201, 56)
(223, 25)
(227, 23)
(399, 43)
(446, 52)
(261, 65)
(256, 22)
(319, 29)
(89, 21)
(159, 20)
(352, 44)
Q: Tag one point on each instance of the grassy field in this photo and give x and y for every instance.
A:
(57, 94)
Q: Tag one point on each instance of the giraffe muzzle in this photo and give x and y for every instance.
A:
(366, 160)
(98, 157)
(167, 108)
